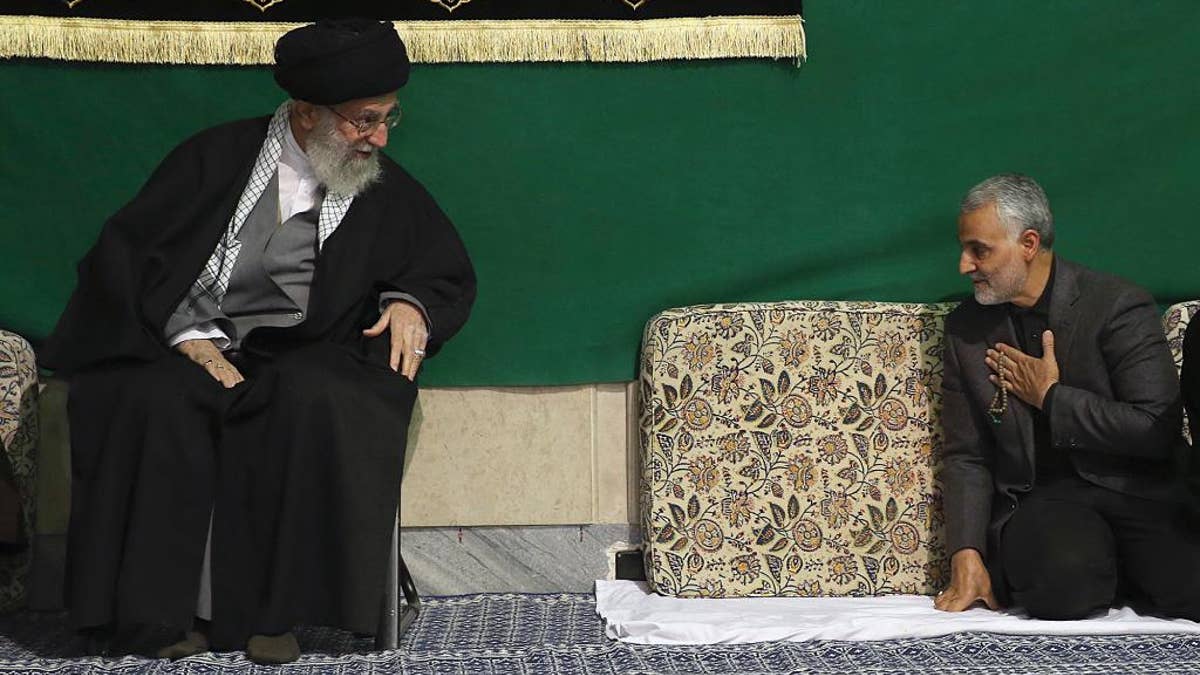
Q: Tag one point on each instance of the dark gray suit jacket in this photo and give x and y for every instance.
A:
(1116, 409)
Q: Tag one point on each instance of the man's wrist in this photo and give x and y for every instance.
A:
(196, 347)
(388, 298)
(1044, 400)
(969, 554)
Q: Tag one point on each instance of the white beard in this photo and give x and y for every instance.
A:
(335, 161)
(1001, 286)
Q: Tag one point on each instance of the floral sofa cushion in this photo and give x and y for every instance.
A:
(1175, 322)
(18, 466)
(791, 449)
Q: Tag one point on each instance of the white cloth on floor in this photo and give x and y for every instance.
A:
(632, 613)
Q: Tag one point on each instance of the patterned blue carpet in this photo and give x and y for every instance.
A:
(561, 635)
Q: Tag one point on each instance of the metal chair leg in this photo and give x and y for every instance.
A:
(412, 601)
(393, 620)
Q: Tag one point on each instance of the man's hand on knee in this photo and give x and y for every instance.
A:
(969, 583)
(409, 334)
(205, 354)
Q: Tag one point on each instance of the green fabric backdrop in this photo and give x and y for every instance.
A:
(592, 196)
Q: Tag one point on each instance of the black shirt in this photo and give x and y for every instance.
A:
(1050, 463)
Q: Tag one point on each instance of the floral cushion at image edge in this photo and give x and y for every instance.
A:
(18, 433)
(1175, 322)
(790, 448)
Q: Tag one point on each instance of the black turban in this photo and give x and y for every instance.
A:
(339, 60)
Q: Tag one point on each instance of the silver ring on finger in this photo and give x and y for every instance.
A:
(419, 352)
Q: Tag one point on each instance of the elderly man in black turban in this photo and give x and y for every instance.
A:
(242, 347)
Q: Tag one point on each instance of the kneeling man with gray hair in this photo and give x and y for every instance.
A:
(1061, 418)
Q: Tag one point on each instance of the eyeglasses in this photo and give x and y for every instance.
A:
(368, 124)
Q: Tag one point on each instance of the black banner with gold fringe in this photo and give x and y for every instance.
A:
(244, 31)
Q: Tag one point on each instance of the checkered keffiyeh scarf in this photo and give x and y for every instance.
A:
(214, 278)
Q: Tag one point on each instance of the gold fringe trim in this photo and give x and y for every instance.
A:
(120, 41)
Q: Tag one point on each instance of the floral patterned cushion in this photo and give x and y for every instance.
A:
(791, 449)
(18, 437)
(1175, 323)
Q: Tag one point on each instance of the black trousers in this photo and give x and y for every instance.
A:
(1073, 548)
(298, 466)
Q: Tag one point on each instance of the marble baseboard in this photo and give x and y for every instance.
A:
(537, 559)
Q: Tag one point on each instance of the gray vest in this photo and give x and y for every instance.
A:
(271, 278)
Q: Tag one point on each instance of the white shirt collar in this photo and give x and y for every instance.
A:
(299, 189)
(293, 155)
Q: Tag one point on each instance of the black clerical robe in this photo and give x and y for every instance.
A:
(300, 465)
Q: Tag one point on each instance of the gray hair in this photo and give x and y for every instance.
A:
(1020, 202)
